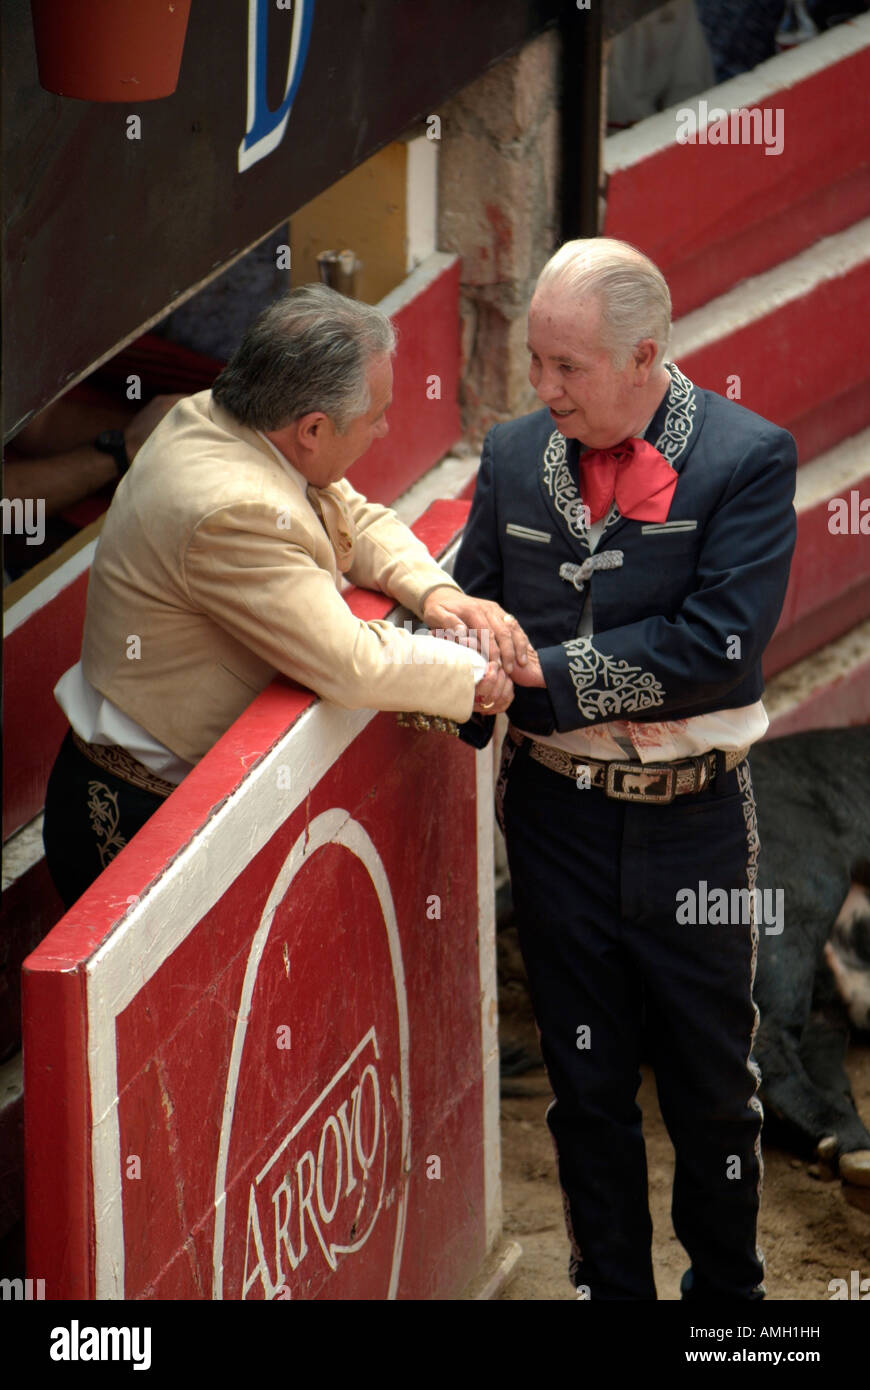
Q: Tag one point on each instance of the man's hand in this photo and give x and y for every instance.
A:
(531, 674)
(494, 691)
(471, 617)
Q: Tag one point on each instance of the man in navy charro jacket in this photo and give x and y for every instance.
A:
(640, 531)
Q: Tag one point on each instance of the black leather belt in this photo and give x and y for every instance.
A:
(634, 781)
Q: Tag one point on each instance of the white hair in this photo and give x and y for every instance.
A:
(633, 294)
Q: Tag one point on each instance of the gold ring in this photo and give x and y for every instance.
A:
(508, 618)
(489, 706)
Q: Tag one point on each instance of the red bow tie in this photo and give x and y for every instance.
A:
(635, 474)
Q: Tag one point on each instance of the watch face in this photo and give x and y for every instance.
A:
(113, 442)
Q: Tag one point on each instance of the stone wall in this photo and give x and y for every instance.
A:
(498, 210)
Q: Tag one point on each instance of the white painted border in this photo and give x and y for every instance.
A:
(488, 997)
(761, 295)
(827, 670)
(833, 473)
(419, 280)
(421, 200)
(444, 482)
(42, 594)
(657, 133)
(333, 827)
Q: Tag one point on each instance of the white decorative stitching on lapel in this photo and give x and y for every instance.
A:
(564, 491)
(607, 686)
(680, 419)
(675, 435)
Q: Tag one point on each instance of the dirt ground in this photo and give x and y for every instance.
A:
(808, 1232)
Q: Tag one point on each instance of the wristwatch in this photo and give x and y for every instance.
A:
(112, 442)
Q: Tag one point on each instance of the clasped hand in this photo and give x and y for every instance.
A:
(483, 624)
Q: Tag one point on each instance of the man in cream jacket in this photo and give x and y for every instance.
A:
(220, 564)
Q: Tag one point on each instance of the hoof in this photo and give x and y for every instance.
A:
(855, 1168)
(826, 1152)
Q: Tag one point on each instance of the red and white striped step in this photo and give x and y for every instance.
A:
(711, 212)
(792, 341)
(754, 200)
(829, 585)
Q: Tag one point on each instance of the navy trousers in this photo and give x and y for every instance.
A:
(615, 978)
(90, 815)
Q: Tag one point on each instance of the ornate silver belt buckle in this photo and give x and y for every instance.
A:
(632, 782)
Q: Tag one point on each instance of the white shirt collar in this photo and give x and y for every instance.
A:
(299, 478)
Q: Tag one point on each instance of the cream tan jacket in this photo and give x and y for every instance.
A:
(217, 562)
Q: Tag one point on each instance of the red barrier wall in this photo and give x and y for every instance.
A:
(46, 636)
(42, 639)
(783, 373)
(424, 417)
(260, 1052)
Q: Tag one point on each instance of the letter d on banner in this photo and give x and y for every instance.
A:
(266, 128)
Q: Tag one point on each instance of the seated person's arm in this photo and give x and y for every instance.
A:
(33, 468)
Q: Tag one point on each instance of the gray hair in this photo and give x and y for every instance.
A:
(309, 351)
(633, 294)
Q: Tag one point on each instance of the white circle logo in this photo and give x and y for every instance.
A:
(315, 1134)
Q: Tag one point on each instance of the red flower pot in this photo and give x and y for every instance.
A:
(110, 50)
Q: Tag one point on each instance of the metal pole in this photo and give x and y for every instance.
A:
(582, 45)
(339, 270)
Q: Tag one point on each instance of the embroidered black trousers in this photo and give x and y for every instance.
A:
(615, 977)
(90, 815)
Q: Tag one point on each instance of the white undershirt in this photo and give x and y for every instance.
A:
(97, 720)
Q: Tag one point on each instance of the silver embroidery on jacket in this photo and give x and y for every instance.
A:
(563, 489)
(675, 435)
(680, 419)
(579, 574)
(606, 685)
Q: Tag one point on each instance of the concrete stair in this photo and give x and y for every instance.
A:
(768, 259)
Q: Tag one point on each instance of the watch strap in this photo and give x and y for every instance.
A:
(112, 442)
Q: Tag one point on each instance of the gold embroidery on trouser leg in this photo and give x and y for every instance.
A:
(753, 845)
(508, 753)
(575, 1261)
(105, 818)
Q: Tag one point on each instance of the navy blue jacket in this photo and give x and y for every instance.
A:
(665, 620)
